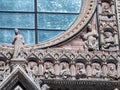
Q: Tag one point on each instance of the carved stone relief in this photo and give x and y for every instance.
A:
(97, 72)
(49, 70)
(112, 72)
(65, 72)
(80, 70)
(91, 39)
(109, 40)
(32, 69)
(106, 9)
(4, 70)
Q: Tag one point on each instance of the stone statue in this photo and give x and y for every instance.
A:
(81, 72)
(108, 40)
(65, 72)
(32, 69)
(97, 71)
(18, 43)
(90, 38)
(112, 73)
(49, 72)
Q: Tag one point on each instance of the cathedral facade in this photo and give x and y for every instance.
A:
(86, 56)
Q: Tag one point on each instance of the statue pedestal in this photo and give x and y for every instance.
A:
(18, 61)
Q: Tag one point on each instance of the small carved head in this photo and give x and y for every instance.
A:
(16, 31)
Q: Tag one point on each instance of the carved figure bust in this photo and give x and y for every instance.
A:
(108, 40)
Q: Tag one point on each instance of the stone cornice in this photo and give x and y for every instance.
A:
(82, 82)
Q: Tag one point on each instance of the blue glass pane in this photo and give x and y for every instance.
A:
(59, 5)
(55, 21)
(29, 36)
(6, 36)
(16, 20)
(44, 35)
(16, 5)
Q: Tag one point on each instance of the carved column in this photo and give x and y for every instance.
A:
(73, 70)
(104, 70)
(118, 69)
(40, 70)
(89, 70)
(57, 69)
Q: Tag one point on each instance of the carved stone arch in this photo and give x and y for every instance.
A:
(33, 57)
(111, 59)
(48, 57)
(64, 58)
(109, 28)
(81, 59)
(96, 59)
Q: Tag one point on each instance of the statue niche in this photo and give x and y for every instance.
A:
(81, 71)
(90, 39)
(97, 72)
(49, 70)
(32, 69)
(112, 72)
(65, 72)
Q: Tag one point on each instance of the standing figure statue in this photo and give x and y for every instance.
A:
(18, 43)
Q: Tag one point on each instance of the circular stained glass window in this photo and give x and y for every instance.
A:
(37, 20)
